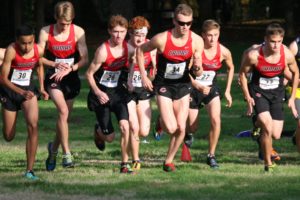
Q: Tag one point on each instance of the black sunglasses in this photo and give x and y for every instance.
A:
(180, 23)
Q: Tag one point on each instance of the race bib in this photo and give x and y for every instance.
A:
(110, 78)
(206, 78)
(69, 61)
(174, 70)
(21, 77)
(269, 83)
(136, 79)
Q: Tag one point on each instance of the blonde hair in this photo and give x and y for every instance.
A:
(64, 10)
(210, 24)
(183, 9)
(138, 22)
(117, 20)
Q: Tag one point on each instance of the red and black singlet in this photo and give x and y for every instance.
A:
(212, 64)
(21, 68)
(173, 63)
(136, 76)
(210, 68)
(62, 51)
(268, 75)
(114, 70)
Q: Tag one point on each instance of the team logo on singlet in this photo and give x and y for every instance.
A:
(270, 68)
(62, 47)
(212, 65)
(118, 63)
(26, 64)
(178, 52)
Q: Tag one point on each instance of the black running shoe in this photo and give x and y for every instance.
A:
(100, 144)
(212, 162)
(189, 139)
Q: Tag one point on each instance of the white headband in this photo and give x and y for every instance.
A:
(141, 30)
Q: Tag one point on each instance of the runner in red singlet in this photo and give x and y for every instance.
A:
(265, 92)
(18, 91)
(206, 90)
(178, 49)
(65, 53)
(139, 106)
(107, 77)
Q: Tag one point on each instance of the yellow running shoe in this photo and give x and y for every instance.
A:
(136, 165)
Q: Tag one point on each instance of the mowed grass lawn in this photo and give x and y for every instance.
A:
(96, 174)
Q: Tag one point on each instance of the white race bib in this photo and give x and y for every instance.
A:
(175, 70)
(206, 78)
(136, 79)
(110, 78)
(21, 77)
(269, 83)
(69, 61)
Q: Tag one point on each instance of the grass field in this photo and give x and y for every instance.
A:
(96, 175)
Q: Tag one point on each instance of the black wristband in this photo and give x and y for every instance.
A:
(195, 68)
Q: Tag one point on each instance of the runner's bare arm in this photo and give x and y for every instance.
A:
(248, 61)
(287, 73)
(293, 68)
(99, 59)
(40, 73)
(132, 62)
(293, 48)
(198, 46)
(43, 38)
(2, 52)
(6, 67)
(154, 43)
(153, 61)
(230, 72)
(82, 48)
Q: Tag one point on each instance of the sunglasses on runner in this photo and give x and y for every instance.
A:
(180, 23)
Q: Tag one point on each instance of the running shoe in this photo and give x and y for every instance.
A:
(274, 155)
(125, 168)
(51, 160)
(169, 167)
(31, 176)
(270, 168)
(255, 133)
(212, 162)
(136, 165)
(100, 144)
(67, 161)
(189, 139)
(256, 130)
(158, 132)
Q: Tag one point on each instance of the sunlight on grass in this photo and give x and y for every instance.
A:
(96, 174)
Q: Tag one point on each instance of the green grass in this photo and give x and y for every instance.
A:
(96, 175)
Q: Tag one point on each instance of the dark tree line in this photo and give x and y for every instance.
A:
(93, 14)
